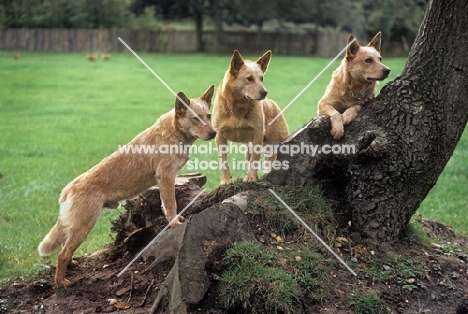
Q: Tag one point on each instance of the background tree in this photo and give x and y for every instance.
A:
(398, 20)
(177, 9)
(98, 14)
(19, 13)
(63, 14)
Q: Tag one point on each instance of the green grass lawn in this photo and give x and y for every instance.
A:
(61, 114)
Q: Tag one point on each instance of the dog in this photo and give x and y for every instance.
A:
(353, 84)
(241, 114)
(124, 175)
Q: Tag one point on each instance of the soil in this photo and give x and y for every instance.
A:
(97, 289)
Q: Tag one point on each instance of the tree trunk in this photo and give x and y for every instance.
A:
(199, 31)
(403, 138)
(217, 19)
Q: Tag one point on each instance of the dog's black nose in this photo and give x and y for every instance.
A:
(212, 134)
(386, 72)
(264, 93)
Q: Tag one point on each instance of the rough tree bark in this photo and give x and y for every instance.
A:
(403, 138)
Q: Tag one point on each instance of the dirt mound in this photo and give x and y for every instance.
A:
(438, 284)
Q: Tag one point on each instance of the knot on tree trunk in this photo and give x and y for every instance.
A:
(372, 144)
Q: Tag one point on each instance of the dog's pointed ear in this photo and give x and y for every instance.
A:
(264, 60)
(375, 42)
(353, 47)
(181, 103)
(208, 95)
(236, 62)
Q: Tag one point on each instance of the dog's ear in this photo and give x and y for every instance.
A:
(236, 62)
(181, 103)
(264, 60)
(375, 42)
(208, 95)
(353, 47)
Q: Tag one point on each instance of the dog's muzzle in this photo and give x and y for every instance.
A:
(212, 134)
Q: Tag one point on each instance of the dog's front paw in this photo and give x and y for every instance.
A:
(251, 178)
(226, 181)
(348, 116)
(337, 131)
(176, 222)
(63, 283)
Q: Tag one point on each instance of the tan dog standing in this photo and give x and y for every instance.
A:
(125, 174)
(241, 114)
(353, 84)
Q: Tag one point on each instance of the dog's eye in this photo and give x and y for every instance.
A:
(250, 79)
(368, 60)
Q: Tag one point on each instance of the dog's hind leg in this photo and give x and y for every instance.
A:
(78, 220)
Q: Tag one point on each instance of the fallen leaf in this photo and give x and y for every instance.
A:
(122, 291)
(122, 305)
(341, 239)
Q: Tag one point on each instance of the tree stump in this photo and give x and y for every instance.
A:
(187, 282)
(190, 245)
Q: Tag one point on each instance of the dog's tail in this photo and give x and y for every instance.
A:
(52, 240)
(57, 235)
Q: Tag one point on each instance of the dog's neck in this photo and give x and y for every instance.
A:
(180, 136)
(236, 103)
(240, 107)
(362, 96)
(229, 108)
(181, 142)
(183, 138)
(361, 90)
